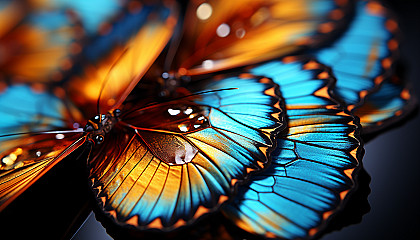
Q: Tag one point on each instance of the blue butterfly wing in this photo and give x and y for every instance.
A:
(122, 28)
(178, 160)
(33, 111)
(26, 156)
(391, 103)
(363, 56)
(312, 168)
(93, 14)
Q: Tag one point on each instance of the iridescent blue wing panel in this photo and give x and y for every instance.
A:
(313, 165)
(27, 109)
(94, 14)
(133, 17)
(172, 162)
(31, 140)
(364, 55)
(391, 103)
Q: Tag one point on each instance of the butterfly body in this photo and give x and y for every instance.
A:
(101, 124)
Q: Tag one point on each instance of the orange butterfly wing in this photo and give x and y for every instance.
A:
(29, 157)
(225, 34)
(113, 77)
(167, 164)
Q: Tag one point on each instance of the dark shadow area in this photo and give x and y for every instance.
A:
(53, 207)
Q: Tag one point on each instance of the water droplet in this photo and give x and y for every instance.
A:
(223, 30)
(183, 127)
(185, 154)
(240, 33)
(174, 112)
(165, 75)
(59, 136)
(188, 111)
(204, 11)
(208, 64)
(7, 160)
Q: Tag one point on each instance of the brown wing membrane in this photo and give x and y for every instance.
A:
(166, 165)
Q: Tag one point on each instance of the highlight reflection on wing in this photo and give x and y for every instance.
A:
(225, 34)
(170, 163)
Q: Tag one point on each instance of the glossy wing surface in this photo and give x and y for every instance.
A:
(225, 34)
(172, 162)
(25, 109)
(135, 43)
(26, 157)
(364, 55)
(312, 167)
(39, 47)
(391, 103)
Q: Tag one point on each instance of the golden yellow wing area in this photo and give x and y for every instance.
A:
(165, 165)
(26, 159)
(113, 77)
(225, 34)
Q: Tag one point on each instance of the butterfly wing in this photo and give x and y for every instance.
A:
(391, 103)
(362, 58)
(11, 13)
(29, 157)
(221, 35)
(313, 165)
(170, 163)
(113, 77)
(26, 157)
(93, 14)
(40, 47)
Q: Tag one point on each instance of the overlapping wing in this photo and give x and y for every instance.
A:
(225, 34)
(93, 14)
(363, 57)
(391, 103)
(26, 157)
(169, 163)
(135, 43)
(39, 46)
(312, 168)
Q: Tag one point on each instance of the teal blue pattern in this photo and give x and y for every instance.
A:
(307, 175)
